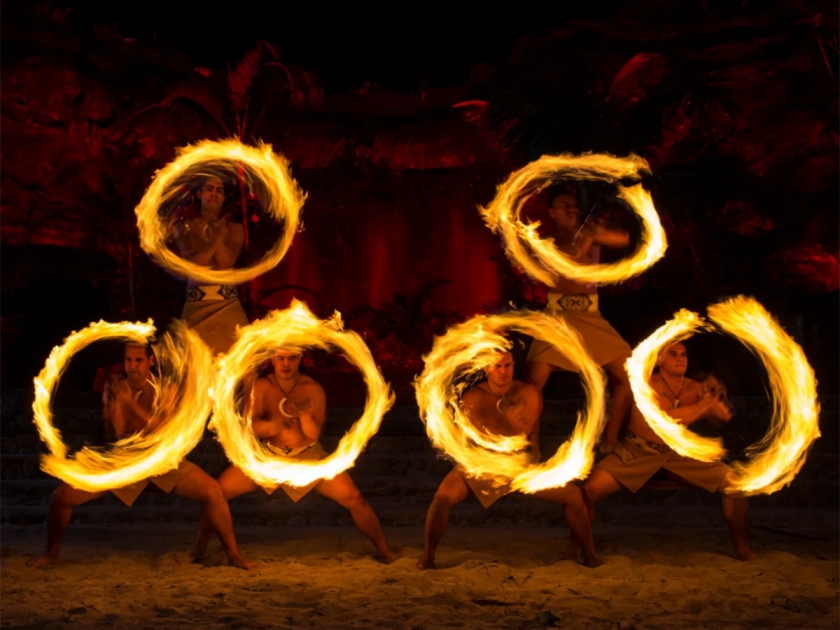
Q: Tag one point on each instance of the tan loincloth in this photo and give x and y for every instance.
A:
(487, 489)
(166, 482)
(214, 312)
(636, 460)
(307, 453)
(580, 312)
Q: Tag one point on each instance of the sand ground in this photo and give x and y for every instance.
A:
(488, 577)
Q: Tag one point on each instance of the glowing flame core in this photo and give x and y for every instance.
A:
(540, 258)
(468, 348)
(144, 454)
(779, 456)
(296, 327)
(639, 370)
(284, 201)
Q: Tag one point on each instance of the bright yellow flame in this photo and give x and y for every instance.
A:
(465, 350)
(779, 456)
(284, 202)
(181, 395)
(540, 258)
(296, 327)
(639, 369)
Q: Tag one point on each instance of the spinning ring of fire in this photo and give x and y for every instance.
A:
(540, 258)
(778, 457)
(283, 202)
(467, 349)
(295, 327)
(181, 396)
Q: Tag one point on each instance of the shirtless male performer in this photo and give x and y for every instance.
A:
(503, 406)
(127, 409)
(577, 304)
(288, 410)
(212, 241)
(642, 453)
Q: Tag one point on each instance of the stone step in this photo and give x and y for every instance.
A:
(316, 511)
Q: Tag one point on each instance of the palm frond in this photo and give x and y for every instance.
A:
(241, 78)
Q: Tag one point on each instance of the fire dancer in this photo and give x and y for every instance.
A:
(215, 241)
(503, 406)
(642, 453)
(288, 410)
(577, 304)
(127, 410)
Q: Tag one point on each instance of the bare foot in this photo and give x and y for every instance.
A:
(745, 555)
(41, 561)
(197, 553)
(388, 557)
(575, 550)
(184, 557)
(592, 560)
(241, 563)
(425, 563)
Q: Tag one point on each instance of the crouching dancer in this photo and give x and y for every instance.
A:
(642, 453)
(288, 411)
(127, 409)
(503, 406)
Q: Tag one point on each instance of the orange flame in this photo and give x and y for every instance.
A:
(467, 349)
(296, 327)
(639, 369)
(779, 456)
(284, 201)
(181, 395)
(539, 258)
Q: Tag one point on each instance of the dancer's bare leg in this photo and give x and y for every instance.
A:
(215, 513)
(736, 511)
(343, 491)
(621, 399)
(575, 510)
(452, 490)
(537, 373)
(64, 499)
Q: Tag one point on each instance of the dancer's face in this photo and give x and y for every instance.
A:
(564, 211)
(286, 364)
(212, 195)
(674, 360)
(500, 373)
(138, 364)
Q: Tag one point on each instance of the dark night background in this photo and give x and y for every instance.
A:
(399, 121)
(398, 125)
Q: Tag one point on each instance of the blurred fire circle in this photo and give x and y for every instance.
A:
(181, 394)
(778, 457)
(295, 327)
(283, 201)
(540, 258)
(458, 358)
